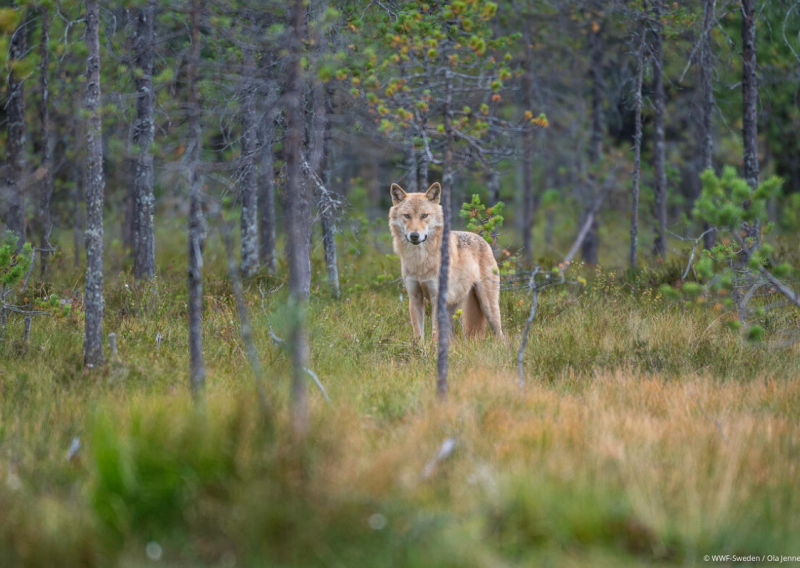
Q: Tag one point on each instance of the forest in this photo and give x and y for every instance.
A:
(209, 351)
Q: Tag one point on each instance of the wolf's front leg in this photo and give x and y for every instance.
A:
(416, 306)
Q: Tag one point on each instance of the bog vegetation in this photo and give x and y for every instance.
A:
(205, 352)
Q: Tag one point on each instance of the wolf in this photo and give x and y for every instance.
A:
(416, 221)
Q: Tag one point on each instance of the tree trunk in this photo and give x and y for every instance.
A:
(528, 150)
(326, 204)
(411, 168)
(707, 105)
(15, 113)
(591, 241)
(95, 187)
(637, 148)
(249, 188)
(46, 189)
(144, 251)
(266, 199)
(494, 197)
(77, 180)
(298, 215)
(749, 93)
(443, 320)
(659, 150)
(197, 371)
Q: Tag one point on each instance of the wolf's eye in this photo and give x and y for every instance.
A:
(424, 215)
(407, 216)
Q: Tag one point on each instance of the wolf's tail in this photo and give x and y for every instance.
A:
(473, 316)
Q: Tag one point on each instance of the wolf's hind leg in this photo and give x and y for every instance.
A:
(473, 316)
(488, 292)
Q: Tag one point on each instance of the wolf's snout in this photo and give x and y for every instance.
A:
(413, 237)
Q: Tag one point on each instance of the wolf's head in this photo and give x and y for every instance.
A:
(414, 217)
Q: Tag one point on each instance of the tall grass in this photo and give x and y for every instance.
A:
(647, 433)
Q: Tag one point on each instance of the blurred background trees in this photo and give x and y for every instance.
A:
(302, 116)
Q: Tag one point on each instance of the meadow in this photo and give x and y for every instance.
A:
(647, 433)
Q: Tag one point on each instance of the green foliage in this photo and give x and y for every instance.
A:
(726, 202)
(13, 265)
(481, 219)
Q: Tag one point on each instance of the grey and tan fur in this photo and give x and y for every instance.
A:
(416, 221)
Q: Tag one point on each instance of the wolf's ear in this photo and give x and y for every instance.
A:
(398, 194)
(434, 192)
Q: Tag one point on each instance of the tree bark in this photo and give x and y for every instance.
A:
(144, 261)
(298, 215)
(95, 187)
(749, 93)
(707, 106)
(266, 198)
(411, 168)
(15, 113)
(248, 193)
(197, 371)
(591, 242)
(528, 201)
(637, 144)
(443, 320)
(659, 149)
(494, 198)
(46, 188)
(326, 204)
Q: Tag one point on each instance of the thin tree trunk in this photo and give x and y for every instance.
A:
(659, 149)
(15, 152)
(249, 188)
(77, 178)
(637, 150)
(411, 168)
(197, 371)
(144, 261)
(443, 320)
(749, 93)
(95, 187)
(494, 198)
(266, 199)
(591, 241)
(298, 213)
(528, 150)
(46, 190)
(326, 204)
(707, 106)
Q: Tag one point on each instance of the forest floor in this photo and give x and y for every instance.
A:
(648, 432)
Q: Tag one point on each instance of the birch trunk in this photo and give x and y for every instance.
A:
(144, 262)
(95, 187)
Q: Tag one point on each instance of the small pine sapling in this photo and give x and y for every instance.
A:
(483, 220)
(15, 270)
(741, 267)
